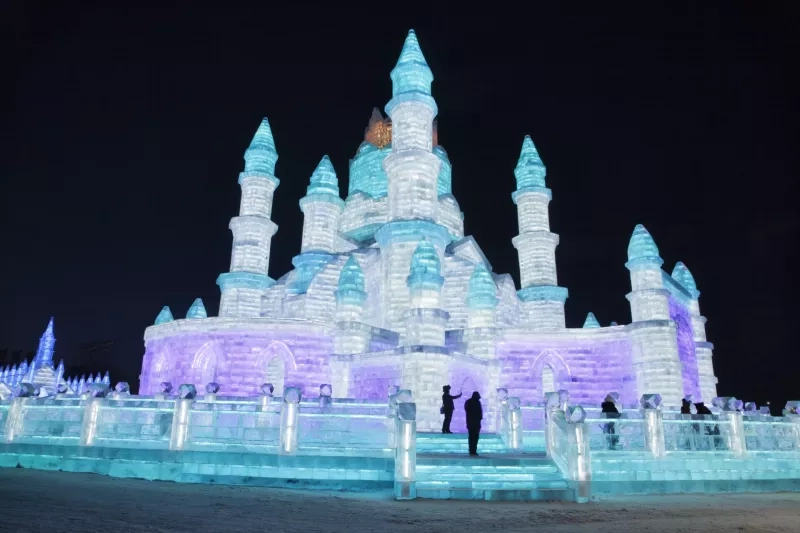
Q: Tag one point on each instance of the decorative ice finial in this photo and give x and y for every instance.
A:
(425, 267)
(482, 291)
(642, 245)
(411, 74)
(164, 316)
(261, 156)
(90, 380)
(682, 275)
(197, 310)
(106, 379)
(591, 321)
(530, 171)
(323, 180)
(351, 277)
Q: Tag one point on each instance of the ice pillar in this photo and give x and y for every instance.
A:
(425, 321)
(542, 299)
(289, 418)
(653, 334)
(352, 336)
(405, 470)
(245, 283)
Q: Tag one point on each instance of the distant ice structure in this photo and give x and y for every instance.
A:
(40, 372)
(387, 289)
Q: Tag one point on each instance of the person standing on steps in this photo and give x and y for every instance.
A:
(474, 416)
(448, 407)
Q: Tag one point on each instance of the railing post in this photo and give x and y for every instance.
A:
(391, 414)
(405, 464)
(514, 419)
(580, 458)
(731, 410)
(552, 404)
(653, 424)
(289, 415)
(501, 421)
(180, 416)
(94, 396)
(325, 400)
(265, 398)
(16, 412)
(212, 389)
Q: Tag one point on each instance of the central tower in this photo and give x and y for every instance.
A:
(412, 170)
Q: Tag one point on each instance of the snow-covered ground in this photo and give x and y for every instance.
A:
(55, 502)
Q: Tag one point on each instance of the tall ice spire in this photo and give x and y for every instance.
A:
(248, 278)
(47, 343)
(542, 299)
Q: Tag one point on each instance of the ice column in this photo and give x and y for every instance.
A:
(412, 171)
(322, 208)
(653, 334)
(289, 417)
(481, 313)
(703, 348)
(405, 469)
(425, 321)
(253, 230)
(352, 335)
(653, 424)
(542, 299)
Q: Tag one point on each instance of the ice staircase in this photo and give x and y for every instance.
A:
(446, 471)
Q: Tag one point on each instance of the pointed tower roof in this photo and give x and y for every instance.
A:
(352, 276)
(642, 247)
(591, 321)
(47, 343)
(682, 275)
(530, 170)
(323, 179)
(261, 156)
(411, 74)
(197, 310)
(482, 291)
(425, 271)
(164, 316)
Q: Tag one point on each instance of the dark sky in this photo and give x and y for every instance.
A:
(123, 131)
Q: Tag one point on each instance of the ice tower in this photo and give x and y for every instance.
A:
(253, 230)
(542, 300)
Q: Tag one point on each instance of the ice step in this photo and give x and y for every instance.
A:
(495, 495)
(457, 442)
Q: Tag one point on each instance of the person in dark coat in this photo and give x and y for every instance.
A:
(474, 416)
(448, 407)
(609, 408)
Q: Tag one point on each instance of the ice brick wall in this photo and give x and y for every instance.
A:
(219, 424)
(372, 378)
(135, 423)
(588, 368)
(241, 359)
(457, 272)
(47, 421)
(351, 431)
(686, 347)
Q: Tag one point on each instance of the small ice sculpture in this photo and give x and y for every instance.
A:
(591, 321)
(750, 407)
(25, 390)
(267, 389)
(393, 390)
(122, 388)
(575, 414)
(502, 394)
(63, 388)
(164, 316)
(650, 401)
(187, 391)
(197, 310)
(404, 396)
(98, 390)
(325, 390)
(212, 388)
(292, 395)
(407, 411)
(165, 388)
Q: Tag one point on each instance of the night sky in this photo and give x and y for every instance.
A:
(123, 131)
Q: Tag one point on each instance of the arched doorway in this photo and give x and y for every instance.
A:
(273, 365)
(548, 380)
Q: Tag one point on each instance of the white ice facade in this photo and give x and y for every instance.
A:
(387, 290)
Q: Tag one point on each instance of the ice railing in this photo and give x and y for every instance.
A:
(180, 419)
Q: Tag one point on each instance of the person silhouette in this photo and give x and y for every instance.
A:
(474, 416)
(448, 407)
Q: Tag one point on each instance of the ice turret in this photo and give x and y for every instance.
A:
(542, 299)
(244, 285)
(164, 316)
(707, 381)
(47, 343)
(411, 74)
(591, 321)
(425, 320)
(197, 310)
(352, 335)
(321, 208)
(482, 303)
(652, 331)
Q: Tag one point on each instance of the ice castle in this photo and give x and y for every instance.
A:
(387, 289)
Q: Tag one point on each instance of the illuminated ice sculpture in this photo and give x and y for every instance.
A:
(387, 290)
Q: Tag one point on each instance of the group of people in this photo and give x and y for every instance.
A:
(474, 412)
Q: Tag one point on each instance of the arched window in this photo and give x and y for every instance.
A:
(548, 380)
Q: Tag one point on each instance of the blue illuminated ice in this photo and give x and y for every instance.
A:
(197, 310)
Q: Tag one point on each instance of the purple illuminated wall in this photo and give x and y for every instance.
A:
(468, 381)
(239, 362)
(589, 370)
(686, 349)
(372, 383)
